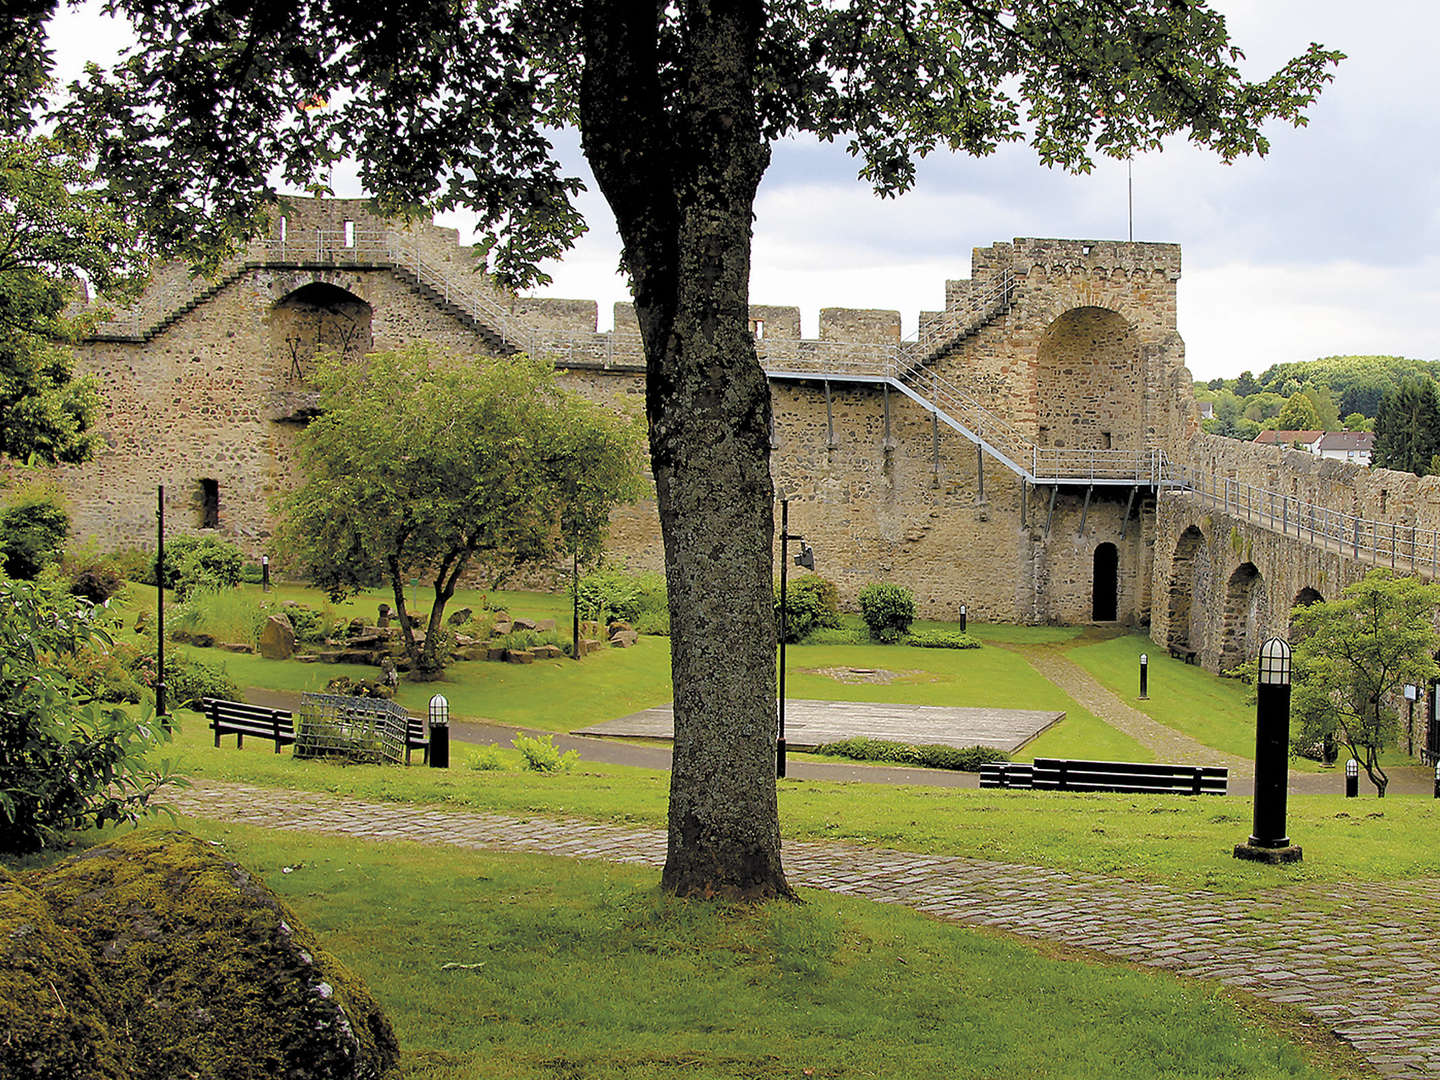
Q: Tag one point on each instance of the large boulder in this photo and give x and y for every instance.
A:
(277, 638)
(209, 975)
(54, 1009)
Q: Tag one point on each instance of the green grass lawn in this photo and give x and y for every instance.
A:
(570, 969)
(1184, 842)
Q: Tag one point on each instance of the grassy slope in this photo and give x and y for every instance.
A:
(577, 969)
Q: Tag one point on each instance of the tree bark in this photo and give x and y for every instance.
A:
(679, 154)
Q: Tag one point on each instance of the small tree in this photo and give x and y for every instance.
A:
(1354, 654)
(888, 610)
(426, 462)
(66, 762)
(1299, 414)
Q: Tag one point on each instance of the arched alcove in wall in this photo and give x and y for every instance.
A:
(1090, 383)
(317, 316)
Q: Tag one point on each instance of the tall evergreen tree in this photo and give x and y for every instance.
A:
(1407, 428)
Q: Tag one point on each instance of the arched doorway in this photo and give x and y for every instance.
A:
(1105, 583)
(1184, 636)
(1303, 599)
(1245, 610)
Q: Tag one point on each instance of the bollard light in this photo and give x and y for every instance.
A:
(962, 618)
(1268, 842)
(1144, 677)
(1352, 778)
(439, 732)
(265, 573)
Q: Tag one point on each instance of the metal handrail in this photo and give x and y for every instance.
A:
(901, 365)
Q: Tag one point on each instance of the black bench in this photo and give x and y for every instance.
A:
(1133, 777)
(1007, 774)
(416, 739)
(1183, 654)
(240, 719)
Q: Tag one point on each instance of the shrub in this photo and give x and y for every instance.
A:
(109, 673)
(929, 755)
(888, 610)
(32, 531)
(362, 688)
(91, 573)
(65, 763)
(134, 564)
(526, 639)
(188, 679)
(942, 639)
(309, 624)
(638, 599)
(811, 602)
(201, 562)
(541, 755)
(226, 616)
(252, 574)
(488, 758)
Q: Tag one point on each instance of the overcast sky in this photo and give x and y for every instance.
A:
(1331, 244)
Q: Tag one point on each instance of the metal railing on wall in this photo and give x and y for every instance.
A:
(901, 365)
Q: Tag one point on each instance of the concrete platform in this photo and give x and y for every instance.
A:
(811, 723)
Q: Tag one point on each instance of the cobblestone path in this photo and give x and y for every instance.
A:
(1362, 958)
(1166, 743)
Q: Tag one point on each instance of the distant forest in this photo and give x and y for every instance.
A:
(1333, 393)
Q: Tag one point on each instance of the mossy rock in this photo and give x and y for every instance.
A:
(211, 975)
(53, 1007)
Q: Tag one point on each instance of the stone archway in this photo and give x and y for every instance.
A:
(1089, 378)
(1244, 617)
(1186, 632)
(317, 315)
(1105, 584)
(1304, 598)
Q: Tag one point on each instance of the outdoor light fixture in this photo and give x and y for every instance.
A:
(1144, 676)
(962, 618)
(439, 732)
(1352, 767)
(1268, 842)
(1275, 663)
(806, 558)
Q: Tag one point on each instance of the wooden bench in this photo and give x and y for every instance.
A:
(1007, 774)
(416, 739)
(240, 719)
(1183, 654)
(1058, 774)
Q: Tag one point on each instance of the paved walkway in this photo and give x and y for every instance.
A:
(1362, 958)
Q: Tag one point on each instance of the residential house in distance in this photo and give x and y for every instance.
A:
(1354, 447)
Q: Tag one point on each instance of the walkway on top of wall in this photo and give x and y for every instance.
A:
(1359, 957)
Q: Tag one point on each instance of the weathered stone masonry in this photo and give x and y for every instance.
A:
(1083, 355)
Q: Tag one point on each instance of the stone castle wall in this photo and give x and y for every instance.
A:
(1085, 356)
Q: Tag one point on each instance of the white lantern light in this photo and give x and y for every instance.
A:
(439, 711)
(1275, 662)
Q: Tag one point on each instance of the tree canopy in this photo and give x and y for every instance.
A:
(58, 232)
(449, 106)
(1354, 655)
(1407, 429)
(424, 462)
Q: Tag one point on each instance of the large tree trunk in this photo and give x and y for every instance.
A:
(681, 173)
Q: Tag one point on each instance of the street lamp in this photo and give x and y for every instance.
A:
(439, 732)
(1268, 842)
(160, 704)
(805, 558)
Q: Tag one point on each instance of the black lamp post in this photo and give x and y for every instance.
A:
(962, 618)
(160, 607)
(439, 717)
(264, 573)
(1352, 779)
(1144, 677)
(806, 558)
(1268, 842)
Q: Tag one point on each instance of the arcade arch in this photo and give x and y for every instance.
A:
(1105, 584)
(1244, 619)
(1185, 634)
(315, 316)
